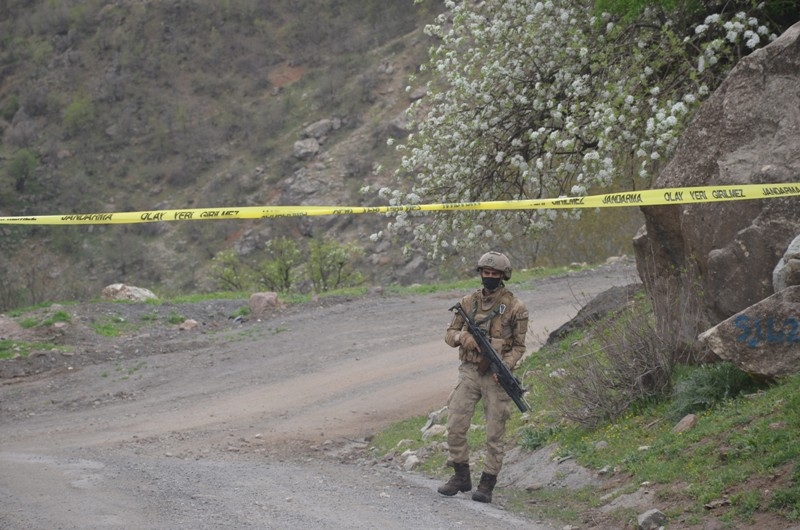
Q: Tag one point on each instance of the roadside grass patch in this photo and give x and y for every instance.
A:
(406, 435)
(204, 297)
(175, 318)
(30, 322)
(745, 436)
(111, 326)
(149, 317)
(406, 431)
(13, 348)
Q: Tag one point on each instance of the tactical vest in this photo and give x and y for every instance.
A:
(494, 320)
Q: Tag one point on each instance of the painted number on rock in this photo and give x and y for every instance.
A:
(768, 330)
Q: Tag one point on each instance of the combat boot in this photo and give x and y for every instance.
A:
(485, 488)
(460, 481)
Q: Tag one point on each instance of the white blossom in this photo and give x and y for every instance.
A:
(534, 96)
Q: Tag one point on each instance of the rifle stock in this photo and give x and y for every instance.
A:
(507, 380)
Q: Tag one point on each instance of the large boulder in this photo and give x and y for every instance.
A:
(306, 148)
(608, 302)
(787, 271)
(764, 339)
(718, 258)
(264, 303)
(130, 293)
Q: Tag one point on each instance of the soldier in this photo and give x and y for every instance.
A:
(505, 320)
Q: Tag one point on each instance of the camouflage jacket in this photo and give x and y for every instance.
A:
(504, 318)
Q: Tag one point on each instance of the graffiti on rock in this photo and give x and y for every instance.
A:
(771, 330)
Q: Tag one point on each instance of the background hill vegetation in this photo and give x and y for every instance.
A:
(131, 106)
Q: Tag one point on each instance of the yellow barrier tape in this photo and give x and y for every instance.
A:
(655, 197)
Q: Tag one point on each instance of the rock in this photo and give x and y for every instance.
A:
(10, 329)
(637, 500)
(523, 469)
(120, 291)
(60, 327)
(417, 94)
(787, 271)
(411, 462)
(435, 417)
(651, 520)
(404, 443)
(306, 149)
(398, 127)
(686, 423)
(762, 340)
(318, 129)
(309, 185)
(607, 302)
(261, 303)
(188, 325)
(415, 267)
(434, 430)
(375, 290)
(720, 256)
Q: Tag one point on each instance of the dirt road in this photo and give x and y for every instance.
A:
(243, 425)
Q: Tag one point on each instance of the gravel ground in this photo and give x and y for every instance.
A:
(243, 424)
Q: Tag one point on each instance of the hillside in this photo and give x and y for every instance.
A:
(140, 106)
(129, 106)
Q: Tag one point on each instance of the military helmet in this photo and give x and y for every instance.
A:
(496, 261)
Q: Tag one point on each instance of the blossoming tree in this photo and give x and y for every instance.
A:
(547, 98)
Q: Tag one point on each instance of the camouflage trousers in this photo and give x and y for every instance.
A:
(471, 388)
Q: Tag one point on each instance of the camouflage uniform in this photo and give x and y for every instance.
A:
(505, 319)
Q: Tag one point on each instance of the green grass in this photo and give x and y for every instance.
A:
(203, 297)
(111, 326)
(744, 440)
(745, 436)
(17, 312)
(175, 318)
(33, 322)
(13, 348)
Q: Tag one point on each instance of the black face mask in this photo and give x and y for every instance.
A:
(490, 284)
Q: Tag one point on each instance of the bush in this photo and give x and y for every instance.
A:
(79, 114)
(228, 271)
(787, 500)
(324, 263)
(278, 273)
(617, 364)
(330, 264)
(10, 107)
(702, 387)
(22, 167)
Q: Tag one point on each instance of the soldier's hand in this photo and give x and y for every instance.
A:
(468, 341)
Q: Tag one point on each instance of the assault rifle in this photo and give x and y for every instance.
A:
(510, 384)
